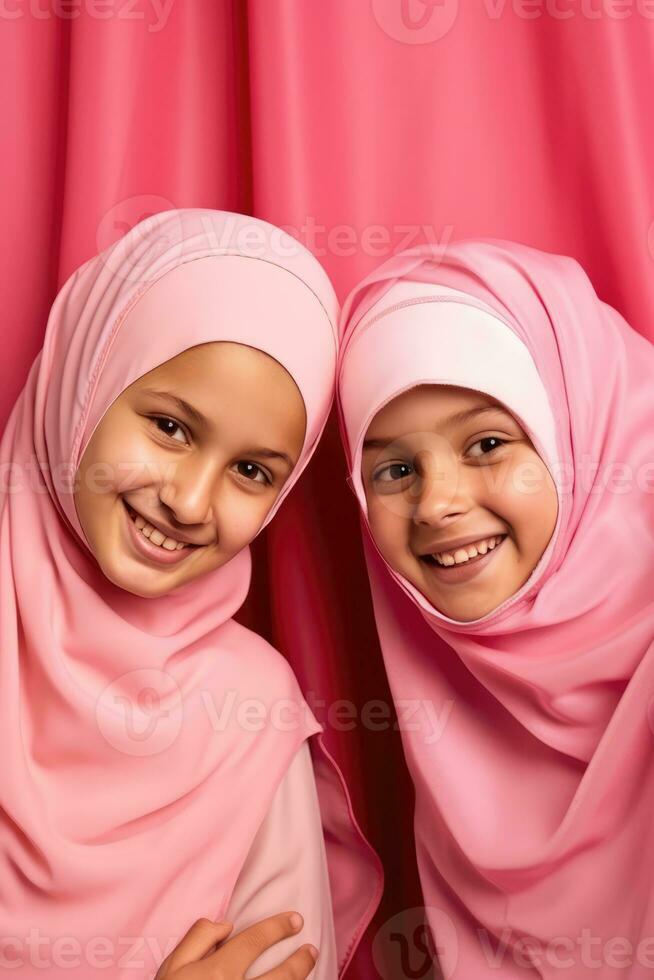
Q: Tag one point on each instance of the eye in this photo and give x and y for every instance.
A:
(393, 472)
(488, 444)
(252, 472)
(170, 423)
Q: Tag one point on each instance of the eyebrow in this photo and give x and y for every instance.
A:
(458, 418)
(183, 405)
(271, 454)
(200, 419)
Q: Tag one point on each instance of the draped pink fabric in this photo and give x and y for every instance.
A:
(536, 790)
(365, 134)
(87, 797)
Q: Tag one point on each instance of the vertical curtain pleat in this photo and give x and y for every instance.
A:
(362, 126)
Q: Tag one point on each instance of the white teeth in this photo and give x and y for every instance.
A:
(462, 555)
(155, 535)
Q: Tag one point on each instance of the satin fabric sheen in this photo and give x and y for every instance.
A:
(533, 801)
(131, 787)
(528, 121)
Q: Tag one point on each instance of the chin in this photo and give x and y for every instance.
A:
(142, 594)
(462, 616)
(463, 612)
(128, 584)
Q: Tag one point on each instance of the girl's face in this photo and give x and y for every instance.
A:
(445, 469)
(185, 465)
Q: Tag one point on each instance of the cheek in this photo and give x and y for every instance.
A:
(121, 462)
(529, 504)
(388, 528)
(139, 462)
(240, 517)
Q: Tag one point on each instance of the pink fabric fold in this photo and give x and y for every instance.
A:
(534, 799)
(131, 790)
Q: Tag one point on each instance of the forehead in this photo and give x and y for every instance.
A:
(205, 369)
(227, 388)
(431, 405)
(203, 361)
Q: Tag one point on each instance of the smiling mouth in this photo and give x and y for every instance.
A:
(460, 558)
(134, 516)
(464, 569)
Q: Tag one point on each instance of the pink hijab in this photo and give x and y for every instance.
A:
(132, 787)
(531, 737)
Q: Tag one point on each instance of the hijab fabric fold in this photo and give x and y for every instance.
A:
(132, 788)
(535, 789)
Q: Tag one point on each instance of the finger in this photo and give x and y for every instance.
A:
(296, 967)
(198, 941)
(243, 949)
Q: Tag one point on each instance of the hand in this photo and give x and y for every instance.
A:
(194, 957)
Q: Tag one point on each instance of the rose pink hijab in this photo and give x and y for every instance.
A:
(529, 731)
(132, 783)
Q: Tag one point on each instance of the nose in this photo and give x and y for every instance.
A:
(191, 491)
(443, 494)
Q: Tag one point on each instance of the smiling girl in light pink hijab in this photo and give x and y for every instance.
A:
(499, 424)
(156, 764)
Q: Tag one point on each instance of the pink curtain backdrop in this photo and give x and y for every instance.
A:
(364, 126)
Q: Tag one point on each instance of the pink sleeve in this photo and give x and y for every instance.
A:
(286, 870)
